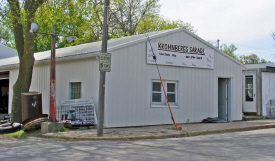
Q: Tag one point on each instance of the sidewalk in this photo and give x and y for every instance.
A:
(163, 131)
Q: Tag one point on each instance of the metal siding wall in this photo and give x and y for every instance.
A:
(226, 68)
(128, 87)
(268, 91)
(237, 91)
(12, 80)
(41, 83)
(125, 86)
(85, 71)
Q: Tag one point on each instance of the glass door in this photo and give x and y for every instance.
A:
(249, 97)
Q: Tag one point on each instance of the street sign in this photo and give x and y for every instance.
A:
(105, 62)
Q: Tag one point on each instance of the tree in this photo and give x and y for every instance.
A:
(157, 23)
(252, 59)
(6, 37)
(6, 32)
(80, 18)
(130, 17)
(84, 18)
(22, 14)
(229, 50)
(247, 59)
(125, 15)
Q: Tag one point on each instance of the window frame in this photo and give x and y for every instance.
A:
(163, 102)
(161, 92)
(247, 88)
(70, 91)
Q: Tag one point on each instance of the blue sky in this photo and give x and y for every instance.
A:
(245, 23)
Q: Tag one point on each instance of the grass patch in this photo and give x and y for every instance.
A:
(16, 134)
(22, 135)
(63, 130)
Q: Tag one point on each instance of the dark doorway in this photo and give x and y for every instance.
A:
(4, 96)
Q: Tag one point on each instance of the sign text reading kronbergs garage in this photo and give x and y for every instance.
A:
(180, 55)
(180, 48)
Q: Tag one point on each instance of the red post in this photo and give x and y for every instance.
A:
(168, 105)
(52, 78)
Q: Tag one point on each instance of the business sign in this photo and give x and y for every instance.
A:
(105, 62)
(180, 55)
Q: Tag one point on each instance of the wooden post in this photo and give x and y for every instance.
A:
(52, 109)
(52, 117)
(101, 97)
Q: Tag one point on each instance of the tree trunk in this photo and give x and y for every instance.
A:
(24, 78)
(24, 46)
(21, 85)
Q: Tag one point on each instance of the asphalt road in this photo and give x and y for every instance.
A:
(249, 145)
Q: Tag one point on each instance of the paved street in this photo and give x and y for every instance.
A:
(249, 145)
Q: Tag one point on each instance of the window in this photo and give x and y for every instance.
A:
(75, 90)
(158, 97)
(249, 88)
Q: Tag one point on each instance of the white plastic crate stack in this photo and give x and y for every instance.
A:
(77, 109)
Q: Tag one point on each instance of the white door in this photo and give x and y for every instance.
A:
(249, 93)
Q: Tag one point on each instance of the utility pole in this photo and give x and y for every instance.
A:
(101, 97)
(52, 111)
(52, 117)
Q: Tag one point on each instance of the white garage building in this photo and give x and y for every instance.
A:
(201, 81)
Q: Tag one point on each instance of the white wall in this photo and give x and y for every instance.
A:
(128, 87)
(12, 80)
(84, 71)
(268, 93)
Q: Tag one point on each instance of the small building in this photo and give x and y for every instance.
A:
(5, 52)
(200, 80)
(259, 89)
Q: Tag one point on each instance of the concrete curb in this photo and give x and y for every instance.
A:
(118, 138)
(185, 134)
(258, 127)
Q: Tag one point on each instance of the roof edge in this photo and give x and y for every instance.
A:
(57, 59)
(8, 48)
(156, 35)
(173, 31)
(210, 45)
(68, 58)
